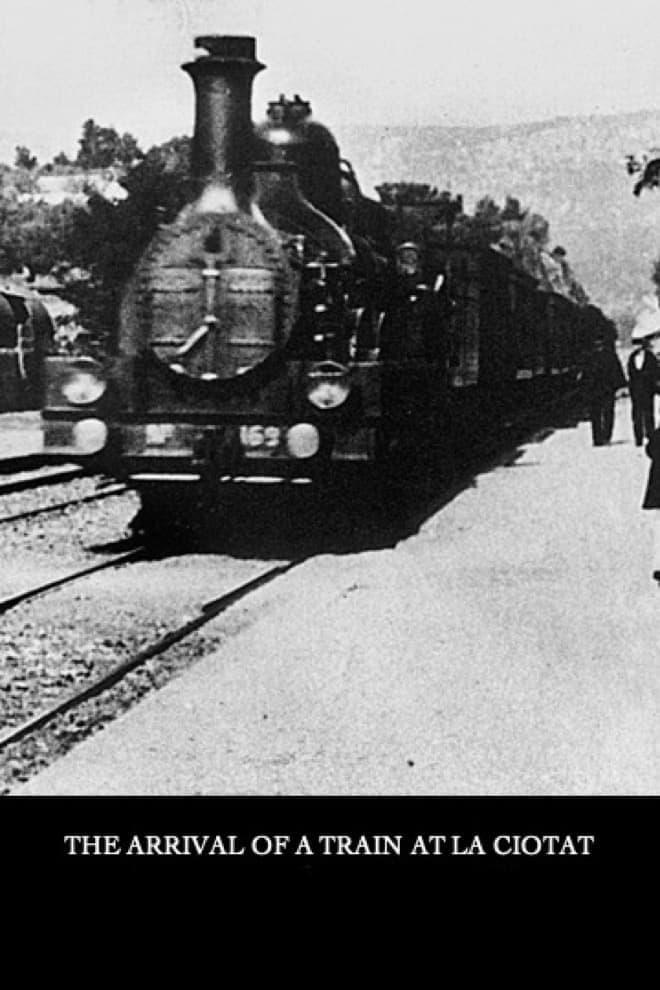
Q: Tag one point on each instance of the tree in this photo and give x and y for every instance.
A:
(128, 151)
(487, 221)
(24, 158)
(649, 167)
(101, 147)
(655, 275)
(410, 194)
(512, 210)
(35, 234)
(109, 237)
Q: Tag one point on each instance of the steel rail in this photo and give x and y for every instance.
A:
(21, 462)
(208, 611)
(97, 496)
(8, 603)
(41, 480)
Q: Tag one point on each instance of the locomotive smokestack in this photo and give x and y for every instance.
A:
(223, 137)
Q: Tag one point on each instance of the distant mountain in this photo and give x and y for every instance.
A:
(570, 169)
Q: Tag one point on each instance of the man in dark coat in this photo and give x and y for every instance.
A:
(603, 376)
(652, 497)
(643, 376)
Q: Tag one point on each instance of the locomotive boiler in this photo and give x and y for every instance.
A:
(283, 328)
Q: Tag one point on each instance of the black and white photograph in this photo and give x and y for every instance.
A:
(329, 438)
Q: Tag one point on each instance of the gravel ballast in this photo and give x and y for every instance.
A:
(53, 645)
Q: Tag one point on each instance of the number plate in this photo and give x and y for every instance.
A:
(158, 434)
(260, 441)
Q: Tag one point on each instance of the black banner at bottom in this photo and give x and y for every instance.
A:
(235, 837)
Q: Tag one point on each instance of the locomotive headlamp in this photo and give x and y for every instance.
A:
(302, 440)
(84, 383)
(90, 435)
(328, 385)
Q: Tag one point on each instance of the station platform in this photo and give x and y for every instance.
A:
(509, 647)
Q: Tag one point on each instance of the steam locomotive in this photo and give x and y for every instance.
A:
(281, 328)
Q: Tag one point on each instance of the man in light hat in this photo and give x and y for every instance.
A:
(643, 380)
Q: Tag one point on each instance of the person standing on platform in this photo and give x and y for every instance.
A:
(652, 497)
(643, 380)
(603, 377)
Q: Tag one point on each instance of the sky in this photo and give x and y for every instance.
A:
(468, 62)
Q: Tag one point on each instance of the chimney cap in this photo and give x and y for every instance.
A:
(228, 46)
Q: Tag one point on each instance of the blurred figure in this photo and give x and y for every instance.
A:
(643, 375)
(652, 497)
(603, 377)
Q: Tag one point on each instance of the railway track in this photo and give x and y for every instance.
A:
(207, 612)
(24, 596)
(59, 506)
(22, 462)
(37, 478)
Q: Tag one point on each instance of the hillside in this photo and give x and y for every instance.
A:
(570, 169)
